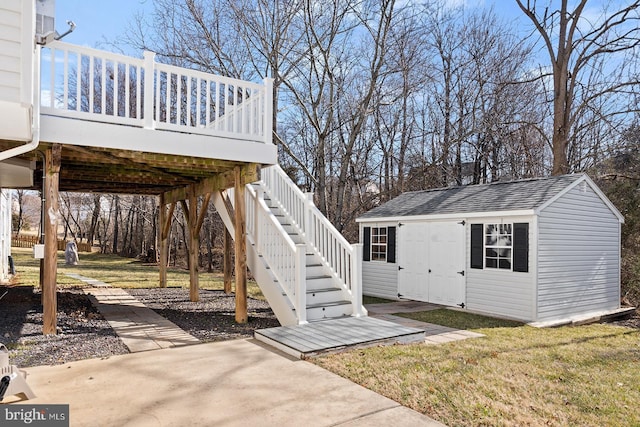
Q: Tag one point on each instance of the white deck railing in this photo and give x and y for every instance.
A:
(339, 255)
(95, 85)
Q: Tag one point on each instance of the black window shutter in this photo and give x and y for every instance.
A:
(391, 244)
(477, 245)
(521, 247)
(366, 252)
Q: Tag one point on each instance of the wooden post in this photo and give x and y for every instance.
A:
(164, 229)
(194, 247)
(241, 248)
(226, 266)
(49, 300)
(194, 221)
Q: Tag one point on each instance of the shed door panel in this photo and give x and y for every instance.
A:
(413, 251)
(446, 263)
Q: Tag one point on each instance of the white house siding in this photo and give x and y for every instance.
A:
(5, 233)
(11, 45)
(500, 292)
(579, 253)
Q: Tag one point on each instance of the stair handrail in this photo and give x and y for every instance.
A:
(321, 235)
(286, 260)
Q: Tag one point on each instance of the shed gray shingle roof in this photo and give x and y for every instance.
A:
(495, 197)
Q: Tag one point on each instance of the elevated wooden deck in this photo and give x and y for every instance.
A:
(108, 123)
(136, 126)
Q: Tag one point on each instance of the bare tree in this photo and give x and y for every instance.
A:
(576, 46)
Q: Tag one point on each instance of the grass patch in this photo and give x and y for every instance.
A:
(515, 375)
(116, 271)
(459, 319)
(375, 300)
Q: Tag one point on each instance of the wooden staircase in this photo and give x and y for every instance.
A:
(296, 256)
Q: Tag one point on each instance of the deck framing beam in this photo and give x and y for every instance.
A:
(248, 173)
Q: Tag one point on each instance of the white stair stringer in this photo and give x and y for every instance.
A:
(300, 274)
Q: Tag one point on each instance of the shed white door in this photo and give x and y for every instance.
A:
(413, 252)
(431, 262)
(446, 263)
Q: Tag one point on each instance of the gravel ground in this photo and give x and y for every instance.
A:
(210, 319)
(83, 333)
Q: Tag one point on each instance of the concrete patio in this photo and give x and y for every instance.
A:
(232, 383)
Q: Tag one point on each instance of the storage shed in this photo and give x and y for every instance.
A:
(534, 250)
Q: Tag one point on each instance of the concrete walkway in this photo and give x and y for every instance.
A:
(231, 383)
(139, 327)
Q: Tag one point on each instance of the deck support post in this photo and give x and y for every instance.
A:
(227, 267)
(194, 249)
(194, 221)
(49, 299)
(241, 247)
(164, 230)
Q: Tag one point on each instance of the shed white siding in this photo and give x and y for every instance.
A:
(379, 279)
(500, 292)
(579, 255)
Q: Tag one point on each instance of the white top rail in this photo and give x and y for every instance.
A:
(96, 85)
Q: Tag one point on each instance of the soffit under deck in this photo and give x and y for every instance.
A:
(100, 170)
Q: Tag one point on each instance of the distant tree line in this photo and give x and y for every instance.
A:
(373, 98)
(376, 97)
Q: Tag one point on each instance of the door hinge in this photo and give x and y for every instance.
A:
(399, 295)
(461, 272)
(461, 305)
(400, 268)
(400, 224)
(463, 222)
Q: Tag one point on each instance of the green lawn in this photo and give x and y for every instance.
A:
(516, 375)
(116, 271)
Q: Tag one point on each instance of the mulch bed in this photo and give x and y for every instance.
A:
(83, 332)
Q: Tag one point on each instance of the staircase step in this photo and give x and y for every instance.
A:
(328, 311)
(324, 296)
(315, 270)
(319, 282)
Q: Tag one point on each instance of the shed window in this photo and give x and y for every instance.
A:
(498, 243)
(378, 243)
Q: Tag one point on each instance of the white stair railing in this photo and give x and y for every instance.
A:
(321, 236)
(285, 259)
